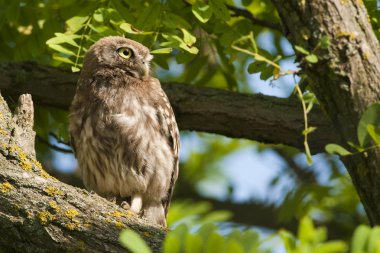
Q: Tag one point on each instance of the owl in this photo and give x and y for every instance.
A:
(123, 130)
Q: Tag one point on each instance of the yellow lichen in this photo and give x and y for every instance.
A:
(71, 213)
(37, 163)
(45, 217)
(23, 159)
(119, 225)
(73, 225)
(2, 132)
(44, 174)
(54, 206)
(116, 214)
(52, 191)
(351, 35)
(5, 187)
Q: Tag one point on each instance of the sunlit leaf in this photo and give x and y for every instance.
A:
(370, 116)
(76, 23)
(374, 132)
(132, 30)
(133, 242)
(312, 58)
(301, 50)
(62, 49)
(219, 9)
(337, 149)
(202, 11)
(360, 239)
(171, 244)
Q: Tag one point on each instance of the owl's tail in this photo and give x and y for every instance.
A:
(155, 213)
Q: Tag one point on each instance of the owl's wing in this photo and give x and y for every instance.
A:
(169, 129)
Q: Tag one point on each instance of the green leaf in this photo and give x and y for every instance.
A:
(246, 2)
(98, 16)
(193, 243)
(374, 132)
(217, 216)
(325, 42)
(306, 230)
(188, 38)
(337, 149)
(62, 49)
(301, 50)
(308, 130)
(219, 9)
(61, 38)
(331, 247)
(355, 146)
(133, 242)
(202, 11)
(370, 116)
(256, 66)
(128, 28)
(233, 246)
(215, 243)
(374, 240)
(76, 23)
(360, 238)
(171, 244)
(166, 50)
(249, 240)
(60, 58)
(267, 73)
(288, 240)
(312, 58)
(75, 69)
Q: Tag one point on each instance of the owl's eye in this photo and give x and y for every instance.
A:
(125, 52)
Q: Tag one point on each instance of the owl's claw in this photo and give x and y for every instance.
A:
(111, 199)
(125, 205)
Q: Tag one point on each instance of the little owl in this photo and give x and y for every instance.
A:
(123, 129)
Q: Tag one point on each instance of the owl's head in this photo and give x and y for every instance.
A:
(119, 52)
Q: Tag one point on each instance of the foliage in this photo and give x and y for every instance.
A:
(208, 238)
(368, 134)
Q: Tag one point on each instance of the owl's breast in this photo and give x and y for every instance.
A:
(123, 150)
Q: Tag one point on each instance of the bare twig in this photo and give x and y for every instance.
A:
(52, 146)
(248, 15)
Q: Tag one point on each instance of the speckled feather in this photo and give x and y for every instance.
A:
(123, 129)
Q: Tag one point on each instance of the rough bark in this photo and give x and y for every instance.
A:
(40, 214)
(346, 78)
(257, 117)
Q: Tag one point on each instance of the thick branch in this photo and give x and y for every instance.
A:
(257, 117)
(40, 214)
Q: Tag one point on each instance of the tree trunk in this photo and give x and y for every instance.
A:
(40, 214)
(346, 78)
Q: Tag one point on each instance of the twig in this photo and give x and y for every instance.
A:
(52, 146)
(59, 140)
(247, 14)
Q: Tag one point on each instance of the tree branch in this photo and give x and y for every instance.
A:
(40, 214)
(257, 117)
(255, 21)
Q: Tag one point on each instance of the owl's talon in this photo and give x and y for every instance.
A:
(125, 205)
